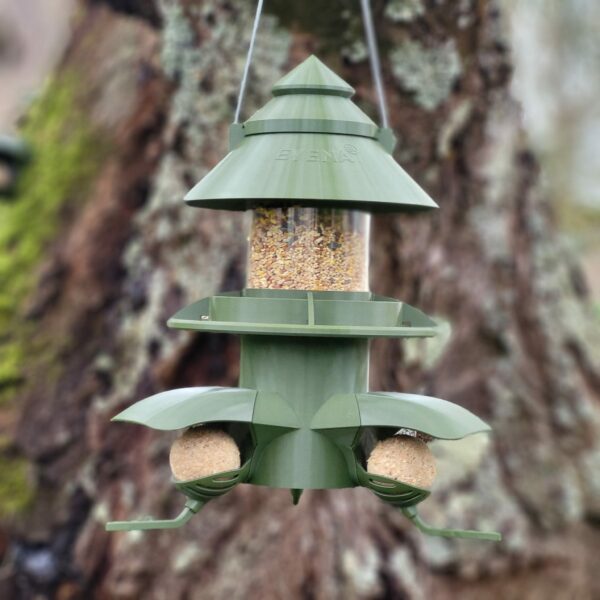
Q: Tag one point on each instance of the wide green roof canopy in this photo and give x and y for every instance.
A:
(311, 146)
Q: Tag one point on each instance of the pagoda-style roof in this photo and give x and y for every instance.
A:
(310, 145)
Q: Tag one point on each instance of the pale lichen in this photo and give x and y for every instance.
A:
(362, 570)
(466, 14)
(404, 10)
(178, 39)
(356, 51)
(216, 63)
(458, 460)
(429, 73)
(427, 351)
(402, 565)
(184, 558)
(491, 218)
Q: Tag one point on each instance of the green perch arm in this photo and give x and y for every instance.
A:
(412, 513)
(190, 509)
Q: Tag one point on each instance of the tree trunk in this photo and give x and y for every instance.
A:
(150, 93)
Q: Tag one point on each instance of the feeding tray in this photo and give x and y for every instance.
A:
(296, 312)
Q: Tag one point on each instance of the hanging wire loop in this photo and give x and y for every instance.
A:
(244, 82)
(373, 58)
(375, 62)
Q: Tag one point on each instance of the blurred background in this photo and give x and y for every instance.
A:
(111, 109)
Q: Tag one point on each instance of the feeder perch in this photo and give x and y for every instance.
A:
(311, 167)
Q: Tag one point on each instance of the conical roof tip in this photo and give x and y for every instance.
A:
(312, 77)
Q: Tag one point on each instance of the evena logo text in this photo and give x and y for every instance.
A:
(347, 153)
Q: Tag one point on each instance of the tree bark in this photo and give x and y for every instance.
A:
(158, 87)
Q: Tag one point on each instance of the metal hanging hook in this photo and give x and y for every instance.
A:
(373, 59)
(244, 82)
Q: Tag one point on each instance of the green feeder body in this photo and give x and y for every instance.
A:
(311, 166)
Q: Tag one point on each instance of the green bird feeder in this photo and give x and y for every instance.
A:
(311, 167)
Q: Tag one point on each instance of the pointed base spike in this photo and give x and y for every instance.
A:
(296, 493)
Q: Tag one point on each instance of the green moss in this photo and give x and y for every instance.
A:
(16, 491)
(65, 154)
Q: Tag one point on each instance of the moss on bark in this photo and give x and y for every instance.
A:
(16, 489)
(65, 155)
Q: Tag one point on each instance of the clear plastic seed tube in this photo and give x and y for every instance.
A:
(299, 248)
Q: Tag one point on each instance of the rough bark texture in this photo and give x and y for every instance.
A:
(158, 86)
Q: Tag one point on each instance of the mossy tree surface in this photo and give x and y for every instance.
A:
(66, 153)
(490, 262)
(65, 156)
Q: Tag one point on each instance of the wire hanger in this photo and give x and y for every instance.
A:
(373, 59)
